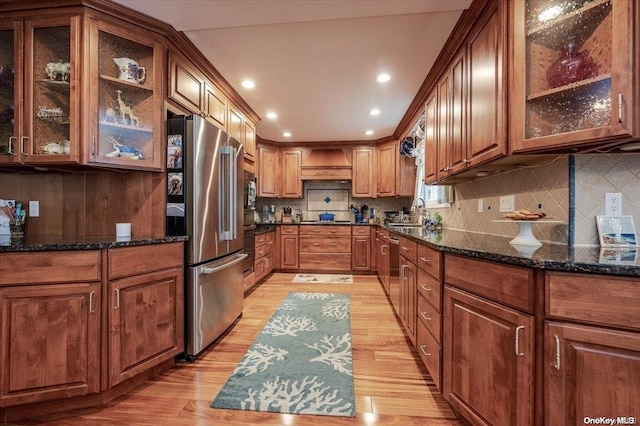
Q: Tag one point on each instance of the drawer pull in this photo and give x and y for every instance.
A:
(557, 364)
(316, 244)
(422, 314)
(424, 287)
(518, 328)
(91, 307)
(619, 107)
(425, 259)
(423, 351)
(405, 248)
(117, 290)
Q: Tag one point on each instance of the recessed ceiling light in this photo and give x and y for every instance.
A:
(287, 134)
(248, 84)
(368, 132)
(383, 78)
(272, 115)
(374, 111)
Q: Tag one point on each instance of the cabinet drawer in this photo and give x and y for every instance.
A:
(260, 251)
(269, 242)
(507, 284)
(260, 239)
(50, 267)
(429, 260)
(327, 230)
(431, 318)
(429, 351)
(127, 261)
(430, 288)
(314, 244)
(408, 249)
(360, 230)
(325, 261)
(289, 230)
(596, 299)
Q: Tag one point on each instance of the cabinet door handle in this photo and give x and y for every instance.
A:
(117, 290)
(557, 364)
(91, 308)
(423, 351)
(22, 145)
(404, 268)
(9, 150)
(425, 259)
(382, 249)
(465, 161)
(422, 314)
(620, 107)
(425, 288)
(518, 328)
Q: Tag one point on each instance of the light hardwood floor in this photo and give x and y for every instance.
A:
(392, 387)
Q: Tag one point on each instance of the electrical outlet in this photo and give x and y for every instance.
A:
(507, 203)
(480, 205)
(34, 209)
(612, 203)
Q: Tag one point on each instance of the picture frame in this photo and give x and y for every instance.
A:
(616, 231)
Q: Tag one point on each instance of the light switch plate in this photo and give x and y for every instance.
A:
(480, 205)
(507, 203)
(34, 209)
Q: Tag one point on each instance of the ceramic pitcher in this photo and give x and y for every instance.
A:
(130, 70)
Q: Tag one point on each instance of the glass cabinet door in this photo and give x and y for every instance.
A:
(51, 100)
(127, 95)
(9, 120)
(572, 75)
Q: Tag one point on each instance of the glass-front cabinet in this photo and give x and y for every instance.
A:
(38, 97)
(572, 73)
(126, 96)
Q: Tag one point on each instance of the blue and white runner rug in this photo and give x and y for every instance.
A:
(300, 363)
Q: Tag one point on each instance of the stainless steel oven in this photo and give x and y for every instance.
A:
(249, 202)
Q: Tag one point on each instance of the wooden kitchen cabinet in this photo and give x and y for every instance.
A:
(363, 183)
(192, 90)
(235, 126)
(408, 281)
(431, 137)
(290, 173)
(126, 96)
(50, 337)
(267, 181)
(596, 101)
(289, 247)
(360, 248)
(249, 141)
(592, 349)
(382, 257)
(396, 174)
(488, 341)
(325, 247)
(40, 90)
(145, 308)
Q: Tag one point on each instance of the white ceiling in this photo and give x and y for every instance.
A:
(315, 62)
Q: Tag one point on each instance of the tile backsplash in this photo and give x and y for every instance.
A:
(595, 175)
(546, 185)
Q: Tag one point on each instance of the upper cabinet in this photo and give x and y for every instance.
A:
(572, 73)
(126, 97)
(39, 90)
(363, 183)
(396, 175)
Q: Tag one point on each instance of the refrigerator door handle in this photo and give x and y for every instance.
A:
(225, 195)
(206, 270)
(234, 193)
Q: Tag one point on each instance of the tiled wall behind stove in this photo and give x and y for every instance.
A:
(545, 184)
(594, 176)
(380, 204)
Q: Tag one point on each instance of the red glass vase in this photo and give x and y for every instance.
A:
(571, 67)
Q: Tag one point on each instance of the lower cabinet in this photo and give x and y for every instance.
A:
(145, 308)
(488, 360)
(325, 247)
(289, 243)
(50, 342)
(407, 306)
(264, 254)
(360, 248)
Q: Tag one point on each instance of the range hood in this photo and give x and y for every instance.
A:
(326, 164)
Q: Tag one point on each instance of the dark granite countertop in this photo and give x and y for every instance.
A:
(74, 242)
(554, 257)
(263, 228)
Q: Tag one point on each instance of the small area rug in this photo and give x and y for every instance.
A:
(301, 363)
(323, 279)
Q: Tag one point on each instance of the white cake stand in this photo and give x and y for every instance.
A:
(525, 235)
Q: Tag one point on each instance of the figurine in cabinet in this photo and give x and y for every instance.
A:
(58, 71)
(125, 109)
(122, 150)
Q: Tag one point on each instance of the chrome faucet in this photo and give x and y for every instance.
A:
(420, 210)
(423, 203)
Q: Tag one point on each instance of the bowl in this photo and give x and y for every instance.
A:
(326, 217)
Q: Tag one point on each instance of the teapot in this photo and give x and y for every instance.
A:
(130, 70)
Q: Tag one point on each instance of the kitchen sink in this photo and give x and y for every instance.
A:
(405, 225)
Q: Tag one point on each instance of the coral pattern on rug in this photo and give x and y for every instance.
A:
(301, 363)
(323, 278)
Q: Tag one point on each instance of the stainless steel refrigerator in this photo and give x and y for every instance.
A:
(205, 202)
